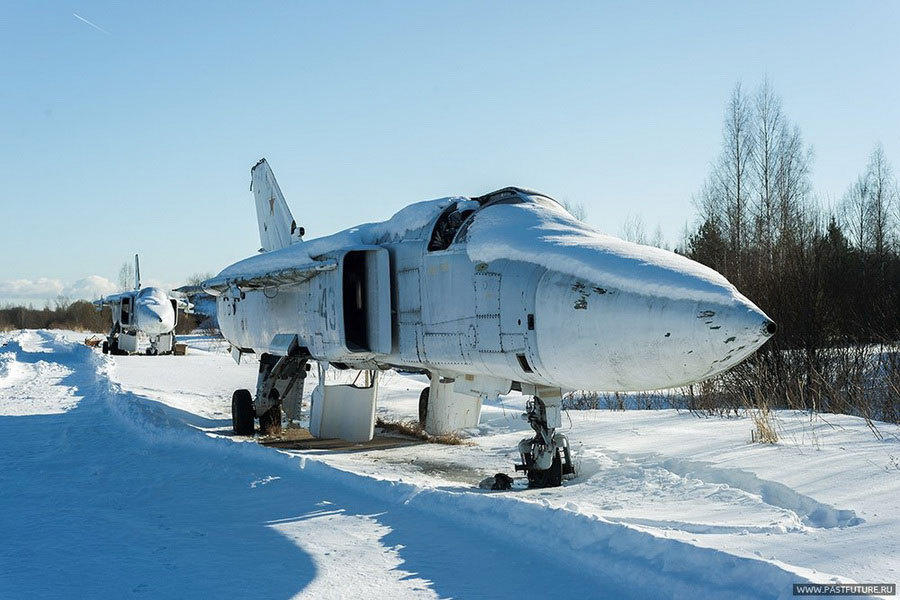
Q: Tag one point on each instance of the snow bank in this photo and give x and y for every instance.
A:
(8, 368)
(641, 563)
(546, 234)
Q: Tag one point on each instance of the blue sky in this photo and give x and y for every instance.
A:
(139, 135)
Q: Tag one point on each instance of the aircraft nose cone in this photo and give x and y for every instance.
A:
(153, 318)
(600, 338)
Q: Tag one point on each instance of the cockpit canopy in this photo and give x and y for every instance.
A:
(453, 224)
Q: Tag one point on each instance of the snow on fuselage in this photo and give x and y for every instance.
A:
(149, 311)
(513, 289)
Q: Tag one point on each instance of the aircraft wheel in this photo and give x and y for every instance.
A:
(105, 347)
(242, 412)
(551, 477)
(423, 405)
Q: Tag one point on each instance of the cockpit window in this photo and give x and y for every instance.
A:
(453, 224)
(446, 227)
(463, 234)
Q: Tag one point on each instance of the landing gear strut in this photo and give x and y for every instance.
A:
(546, 458)
(279, 388)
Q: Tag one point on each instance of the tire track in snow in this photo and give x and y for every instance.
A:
(792, 512)
(812, 512)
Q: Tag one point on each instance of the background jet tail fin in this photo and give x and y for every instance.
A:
(137, 273)
(277, 228)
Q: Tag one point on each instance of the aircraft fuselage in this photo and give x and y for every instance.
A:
(505, 319)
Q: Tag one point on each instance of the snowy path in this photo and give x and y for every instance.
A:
(112, 493)
(117, 497)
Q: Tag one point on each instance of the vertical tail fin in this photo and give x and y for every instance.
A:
(277, 228)
(137, 273)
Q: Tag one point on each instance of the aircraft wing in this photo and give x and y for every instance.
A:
(111, 299)
(254, 281)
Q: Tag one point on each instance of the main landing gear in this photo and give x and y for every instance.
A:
(111, 343)
(546, 459)
(279, 388)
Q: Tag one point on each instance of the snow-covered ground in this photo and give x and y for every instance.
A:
(118, 478)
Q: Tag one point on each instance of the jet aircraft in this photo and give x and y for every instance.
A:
(148, 311)
(487, 294)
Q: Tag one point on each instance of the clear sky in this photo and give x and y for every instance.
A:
(131, 127)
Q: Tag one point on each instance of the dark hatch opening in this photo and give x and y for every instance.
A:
(126, 311)
(356, 331)
(523, 362)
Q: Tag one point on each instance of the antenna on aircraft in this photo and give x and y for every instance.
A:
(137, 273)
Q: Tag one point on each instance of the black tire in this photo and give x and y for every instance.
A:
(105, 347)
(423, 405)
(551, 477)
(242, 412)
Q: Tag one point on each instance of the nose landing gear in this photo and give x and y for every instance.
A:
(546, 459)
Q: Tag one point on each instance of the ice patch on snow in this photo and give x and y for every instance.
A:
(264, 480)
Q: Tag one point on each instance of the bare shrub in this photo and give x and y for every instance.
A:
(581, 401)
(415, 430)
(763, 427)
(856, 380)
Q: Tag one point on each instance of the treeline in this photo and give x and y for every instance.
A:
(80, 315)
(828, 275)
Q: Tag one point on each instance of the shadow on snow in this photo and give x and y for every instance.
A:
(120, 496)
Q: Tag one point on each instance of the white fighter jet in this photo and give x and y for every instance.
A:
(148, 312)
(505, 291)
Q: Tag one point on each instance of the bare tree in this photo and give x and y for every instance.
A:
(724, 198)
(867, 206)
(576, 209)
(769, 127)
(882, 191)
(734, 167)
(659, 239)
(792, 186)
(63, 303)
(198, 278)
(633, 229)
(854, 213)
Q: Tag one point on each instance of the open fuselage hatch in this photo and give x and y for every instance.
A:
(367, 301)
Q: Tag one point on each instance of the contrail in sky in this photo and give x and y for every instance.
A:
(97, 27)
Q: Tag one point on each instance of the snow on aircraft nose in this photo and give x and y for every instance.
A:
(602, 338)
(154, 317)
(612, 315)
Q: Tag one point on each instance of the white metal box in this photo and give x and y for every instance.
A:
(346, 412)
(128, 343)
